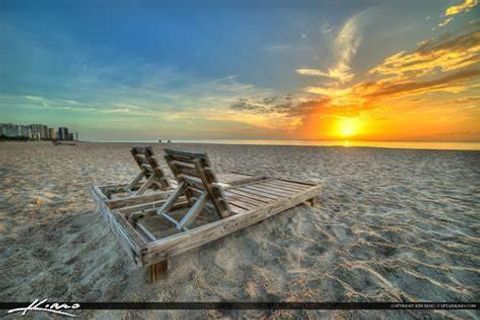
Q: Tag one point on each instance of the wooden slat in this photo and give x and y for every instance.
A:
(275, 188)
(249, 195)
(280, 188)
(236, 209)
(137, 240)
(248, 200)
(146, 160)
(257, 193)
(155, 205)
(147, 168)
(239, 203)
(312, 184)
(125, 202)
(183, 164)
(261, 191)
(272, 190)
(197, 182)
(214, 193)
(187, 156)
(291, 184)
(130, 240)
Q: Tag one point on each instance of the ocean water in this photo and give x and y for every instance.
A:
(429, 145)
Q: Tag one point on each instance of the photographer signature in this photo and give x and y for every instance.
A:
(43, 306)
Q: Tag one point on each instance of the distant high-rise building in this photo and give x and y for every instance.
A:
(62, 133)
(24, 131)
(10, 130)
(40, 130)
(51, 134)
(35, 131)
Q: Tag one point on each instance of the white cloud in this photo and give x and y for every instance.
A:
(344, 49)
(312, 72)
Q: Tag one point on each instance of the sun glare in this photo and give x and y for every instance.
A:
(348, 127)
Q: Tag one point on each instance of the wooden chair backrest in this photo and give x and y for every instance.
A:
(195, 170)
(145, 159)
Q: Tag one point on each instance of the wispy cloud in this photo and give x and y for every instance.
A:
(344, 49)
(445, 54)
(452, 83)
(451, 11)
(465, 6)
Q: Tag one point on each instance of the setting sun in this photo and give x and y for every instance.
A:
(348, 127)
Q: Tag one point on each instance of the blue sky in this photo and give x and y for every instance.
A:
(135, 70)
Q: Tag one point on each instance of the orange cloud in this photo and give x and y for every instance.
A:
(415, 90)
(383, 108)
(444, 55)
(451, 11)
(452, 83)
(466, 5)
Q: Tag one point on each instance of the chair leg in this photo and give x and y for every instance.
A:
(135, 181)
(193, 212)
(146, 185)
(156, 271)
(172, 199)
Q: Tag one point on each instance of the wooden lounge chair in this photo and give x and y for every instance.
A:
(198, 211)
(152, 177)
(150, 170)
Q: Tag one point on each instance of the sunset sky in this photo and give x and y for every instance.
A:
(140, 70)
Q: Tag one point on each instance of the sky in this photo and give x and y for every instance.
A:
(328, 70)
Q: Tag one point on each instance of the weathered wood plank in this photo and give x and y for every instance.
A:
(181, 202)
(239, 201)
(214, 193)
(307, 183)
(262, 191)
(289, 185)
(183, 164)
(274, 187)
(249, 195)
(124, 202)
(241, 204)
(237, 209)
(197, 182)
(248, 200)
(277, 189)
(132, 243)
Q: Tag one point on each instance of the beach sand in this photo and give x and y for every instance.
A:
(390, 225)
